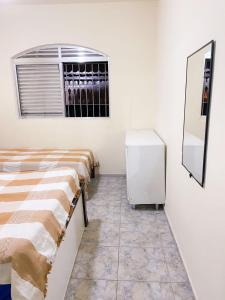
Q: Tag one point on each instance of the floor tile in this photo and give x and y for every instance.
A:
(167, 239)
(182, 291)
(109, 191)
(105, 213)
(110, 188)
(175, 265)
(105, 234)
(135, 246)
(82, 289)
(130, 215)
(106, 199)
(162, 220)
(124, 202)
(136, 234)
(124, 192)
(142, 264)
(130, 290)
(96, 262)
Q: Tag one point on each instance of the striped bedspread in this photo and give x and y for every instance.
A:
(31, 159)
(34, 210)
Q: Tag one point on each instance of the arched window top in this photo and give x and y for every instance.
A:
(60, 53)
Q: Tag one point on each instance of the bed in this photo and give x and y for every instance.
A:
(32, 159)
(37, 208)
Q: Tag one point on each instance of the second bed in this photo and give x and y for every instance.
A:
(35, 209)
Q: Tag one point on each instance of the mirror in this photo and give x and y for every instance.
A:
(196, 113)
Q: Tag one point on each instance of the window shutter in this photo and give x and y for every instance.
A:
(40, 91)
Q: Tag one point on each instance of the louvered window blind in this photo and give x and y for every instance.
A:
(40, 91)
(61, 80)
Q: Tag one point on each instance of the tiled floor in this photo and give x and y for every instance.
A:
(126, 254)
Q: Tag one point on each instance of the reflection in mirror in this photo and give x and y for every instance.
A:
(198, 88)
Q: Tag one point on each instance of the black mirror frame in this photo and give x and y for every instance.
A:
(212, 43)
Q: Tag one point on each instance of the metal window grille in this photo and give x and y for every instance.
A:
(86, 89)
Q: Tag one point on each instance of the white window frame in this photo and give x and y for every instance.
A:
(19, 59)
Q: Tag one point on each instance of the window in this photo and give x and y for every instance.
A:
(86, 89)
(62, 80)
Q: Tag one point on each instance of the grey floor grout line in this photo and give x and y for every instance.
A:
(126, 246)
(131, 280)
(165, 261)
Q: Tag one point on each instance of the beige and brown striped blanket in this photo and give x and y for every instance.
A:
(32, 159)
(34, 210)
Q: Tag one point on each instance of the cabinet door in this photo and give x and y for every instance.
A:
(145, 174)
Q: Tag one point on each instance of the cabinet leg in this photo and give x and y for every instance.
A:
(133, 206)
(156, 206)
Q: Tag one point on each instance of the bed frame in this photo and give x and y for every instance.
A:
(93, 172)
(59, 276)
(62, 267)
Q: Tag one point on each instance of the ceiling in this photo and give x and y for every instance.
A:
(59, 1)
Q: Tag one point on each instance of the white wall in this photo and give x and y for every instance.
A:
(197, 215)
(123, 30)
(126, 32)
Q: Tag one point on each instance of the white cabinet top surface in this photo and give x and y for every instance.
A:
(142, 137)
(192, 140)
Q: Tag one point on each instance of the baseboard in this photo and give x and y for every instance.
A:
(112, 175)
(181, 254)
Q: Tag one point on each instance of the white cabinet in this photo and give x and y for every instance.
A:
(145, 165)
